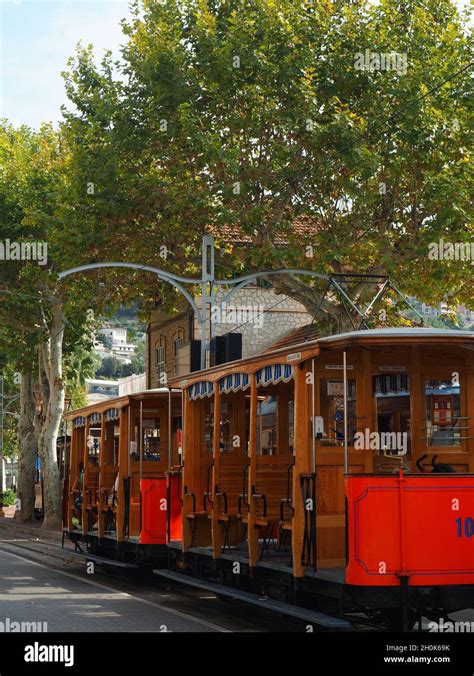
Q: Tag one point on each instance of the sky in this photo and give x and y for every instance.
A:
(36, 39)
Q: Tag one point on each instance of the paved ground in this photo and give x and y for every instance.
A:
(30, 592)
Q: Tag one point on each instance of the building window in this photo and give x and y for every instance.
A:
(160, 360)
(267, 426)
(177, 344)
(178, 341)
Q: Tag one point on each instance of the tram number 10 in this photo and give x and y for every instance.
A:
(465, 527)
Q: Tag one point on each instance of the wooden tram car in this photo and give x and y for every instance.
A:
(120, 452)
(331, 477)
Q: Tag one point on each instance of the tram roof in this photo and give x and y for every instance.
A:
(120, 402)
(405, 334)
(302, 349)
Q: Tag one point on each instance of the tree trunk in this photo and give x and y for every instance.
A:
(28, 445)
(51, 360)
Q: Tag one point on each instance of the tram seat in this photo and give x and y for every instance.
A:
(207, 501)
(271, 494)
(195, 515)
(195, 512)
(286, 504)
(205, 480)
(229, 489)
(92, 488)
(242, 501)
(108, 494)
(271, 489)
(227, 499)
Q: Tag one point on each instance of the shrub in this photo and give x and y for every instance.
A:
(9, 498)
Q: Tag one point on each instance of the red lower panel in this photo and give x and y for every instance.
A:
(420, 526)
(154, 511)
(175, 514)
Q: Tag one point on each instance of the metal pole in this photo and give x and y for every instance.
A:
(183, 395)
(346, 453)
(129, 427)
(207, 282)
(141, 438)
(313, 413)
(170, 436)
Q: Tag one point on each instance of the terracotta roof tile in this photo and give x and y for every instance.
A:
(235, 234)
(300, 335)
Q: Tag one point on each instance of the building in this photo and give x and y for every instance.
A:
(117, 336)
(99, 390)
(121, 349)
(132, 384)
(464, 316)
(124, 352)
(467, 317)
(260, 315)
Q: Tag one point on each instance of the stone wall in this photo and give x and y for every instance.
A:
(262, 317)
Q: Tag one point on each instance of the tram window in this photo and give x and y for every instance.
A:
(443, 413)
(93, 443)
(266, 426)
(226, 434)
(332, 411)
(116, 444)
(392, 405)
(151, 439)
(208, 425)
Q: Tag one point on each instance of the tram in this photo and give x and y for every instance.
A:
(121, 450)
(331, 478)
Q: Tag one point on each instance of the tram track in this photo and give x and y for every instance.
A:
(229, 615)
(234, 615)
(197, 605)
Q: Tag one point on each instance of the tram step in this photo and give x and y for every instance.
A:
(104, 559)
(313, 616)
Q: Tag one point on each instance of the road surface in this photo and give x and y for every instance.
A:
(59, 601)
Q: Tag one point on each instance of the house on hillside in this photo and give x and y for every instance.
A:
(120, 347)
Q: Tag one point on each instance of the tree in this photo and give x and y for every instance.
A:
(105, 340)
(28, 437)
(111, 367)
(43, 321)
(138, 360)
(257, 114)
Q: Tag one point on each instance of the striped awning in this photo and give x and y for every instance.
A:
(95, 418)
(391, 383)
(236, 382)
(276, 373)
(112, 414)
(239, 382)
(200, 390)
(79, 422)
